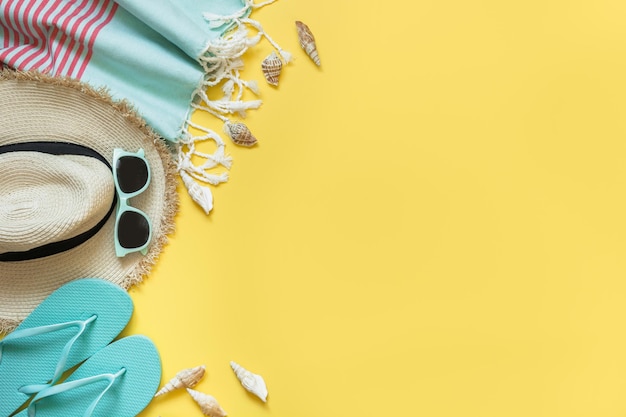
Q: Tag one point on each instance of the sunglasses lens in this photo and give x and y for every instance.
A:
(133, 230)
(132, 173)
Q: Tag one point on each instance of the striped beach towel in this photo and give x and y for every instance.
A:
(162, 56)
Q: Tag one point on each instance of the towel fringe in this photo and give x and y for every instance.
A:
(222, 63)
(192, 175)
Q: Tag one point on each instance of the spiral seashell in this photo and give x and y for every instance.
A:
(198, 193)
(208, 404)
(252, 382)
(272, 66)
(240, 134)
(187, 378)
(307, 42)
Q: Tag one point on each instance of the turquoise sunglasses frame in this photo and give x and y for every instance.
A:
(123, 205)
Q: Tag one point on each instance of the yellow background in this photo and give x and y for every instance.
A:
(433, 223)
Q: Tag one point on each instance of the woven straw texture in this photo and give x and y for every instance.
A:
(48, 198)
(35, 107)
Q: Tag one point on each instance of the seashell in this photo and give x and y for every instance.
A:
(272, 66)
(240, 134)
(252, 382)
(200, 194)
(187, 378)
(307, 41)
(208, 404)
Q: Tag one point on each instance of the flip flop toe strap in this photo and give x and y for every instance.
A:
(81, 325)
(67, 386)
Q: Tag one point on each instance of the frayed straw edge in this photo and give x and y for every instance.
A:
(8, 325)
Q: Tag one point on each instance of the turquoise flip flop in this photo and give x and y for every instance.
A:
(73, 323)
(120, 380)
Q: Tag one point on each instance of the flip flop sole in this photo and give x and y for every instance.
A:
(33, 360)
(129, 394)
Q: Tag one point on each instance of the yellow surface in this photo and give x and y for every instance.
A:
(433, 223)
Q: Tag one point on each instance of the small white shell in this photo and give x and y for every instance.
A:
(240, 134)
(208, 404)
(187, 378)
(272, 66)
(252, 382)
(200, 194)
(307, 42)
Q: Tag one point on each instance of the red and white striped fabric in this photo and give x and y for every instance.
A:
(54, 36)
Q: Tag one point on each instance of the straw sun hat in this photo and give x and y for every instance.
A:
(57, 193)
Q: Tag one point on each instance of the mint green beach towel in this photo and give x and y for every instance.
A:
(159, 55)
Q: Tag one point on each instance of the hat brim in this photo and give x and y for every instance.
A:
(37, 107)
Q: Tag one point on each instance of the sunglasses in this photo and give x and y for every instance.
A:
(131, 174)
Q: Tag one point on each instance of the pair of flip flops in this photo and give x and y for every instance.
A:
(75, 324)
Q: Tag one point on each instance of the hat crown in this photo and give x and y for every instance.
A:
(50, 198)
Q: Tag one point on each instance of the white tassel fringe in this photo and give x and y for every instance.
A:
(222, 63)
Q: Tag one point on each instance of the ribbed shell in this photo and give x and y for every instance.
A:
(187, 378)
(252, 382)
(240, 134)
(307, 42)
(208, 404)
(272, 66)
(200, 194)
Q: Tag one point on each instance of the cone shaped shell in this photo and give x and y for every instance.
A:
(307, 42)
(200, 194)
(187, 378)
(208, 404)
(240, 134)
(252, 382)
(272, 66)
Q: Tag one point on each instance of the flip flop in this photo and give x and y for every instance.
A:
(120, 380)
(73, 323)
